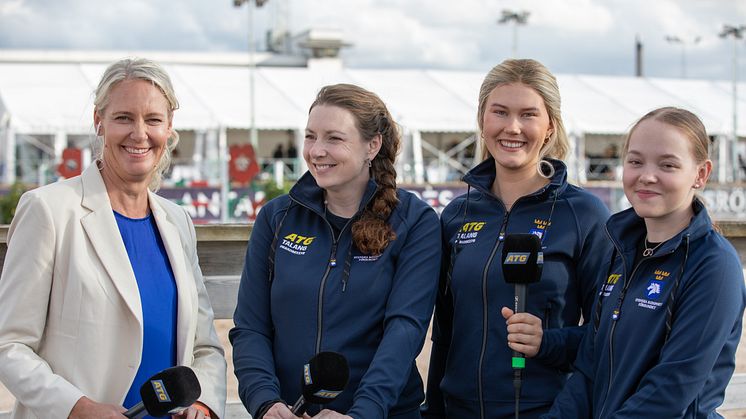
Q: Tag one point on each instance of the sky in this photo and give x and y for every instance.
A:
(569, 36)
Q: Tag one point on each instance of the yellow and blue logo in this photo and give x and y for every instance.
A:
(540, 227)
(296, 244)
(468, 232)
(160, 391)
(327, 394)
(516, 258)
(307, 374)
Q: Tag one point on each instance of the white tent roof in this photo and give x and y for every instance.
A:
(49, 97)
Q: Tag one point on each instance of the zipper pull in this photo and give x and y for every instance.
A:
(333, 257)
(344, 285)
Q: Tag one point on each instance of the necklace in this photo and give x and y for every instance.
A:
(648, 251)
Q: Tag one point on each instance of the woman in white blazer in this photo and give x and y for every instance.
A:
(73, 313)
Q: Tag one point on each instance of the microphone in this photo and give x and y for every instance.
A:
(522, 263)
(168, 392)
(324, 378)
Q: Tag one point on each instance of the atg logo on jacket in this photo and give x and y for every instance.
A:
(469, 232)
(296, 244)
(609, 284)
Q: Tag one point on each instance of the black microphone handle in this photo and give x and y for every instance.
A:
(300, 406)
(136, 412)
(519, 306)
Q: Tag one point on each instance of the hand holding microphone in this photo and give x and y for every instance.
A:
(167, 393)
(324, 378)
(524, 332)
(522, 264)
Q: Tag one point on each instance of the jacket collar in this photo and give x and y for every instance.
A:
(482, 176)
(626, 229)
(103, 232)
(101, 228)
(309, 194)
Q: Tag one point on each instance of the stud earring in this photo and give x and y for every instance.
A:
(697, 186)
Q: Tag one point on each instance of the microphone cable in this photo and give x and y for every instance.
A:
(518, 364)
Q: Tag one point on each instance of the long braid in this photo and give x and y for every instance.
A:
(372, 232)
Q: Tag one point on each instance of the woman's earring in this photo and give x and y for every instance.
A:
(697, 186)
(545, 169)
(98, 130)
(369, 163)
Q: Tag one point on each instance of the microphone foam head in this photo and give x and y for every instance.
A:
(324, 377)
(522, 258)
(171, 389)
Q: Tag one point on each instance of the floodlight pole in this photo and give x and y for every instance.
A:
(518, 18)
(253, 135)
(737, 33)
(677, 40)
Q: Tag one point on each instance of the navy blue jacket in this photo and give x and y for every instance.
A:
(634, 365)
(374, 310)
(470, 368)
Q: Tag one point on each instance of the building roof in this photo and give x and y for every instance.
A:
(47, 95)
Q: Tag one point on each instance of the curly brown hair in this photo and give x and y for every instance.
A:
(371, 231)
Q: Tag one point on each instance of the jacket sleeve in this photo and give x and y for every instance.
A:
(208, 355)
(707, 318)
(407, 315)
(434, 406)
(253, 355)
(574, 401)
(559, 346)
(25, 287)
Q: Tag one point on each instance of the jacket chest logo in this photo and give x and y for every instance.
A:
(468, 232)
(540, 227)
(609, 284)
(296, 244)
(653, 290)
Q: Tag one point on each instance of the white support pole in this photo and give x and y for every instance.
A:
(60, 143)
(199, 152)
(722, 158)
(300, 165)
(9, 171)
(223, 157)
(417, 159)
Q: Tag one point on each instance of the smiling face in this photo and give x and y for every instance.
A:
(136, 125)
(661, 174)
(515, 126)
(335, 151)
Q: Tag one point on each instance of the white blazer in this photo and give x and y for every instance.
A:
(70, 313)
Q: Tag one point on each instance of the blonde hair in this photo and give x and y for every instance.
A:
(536, 76)
(683, 120)
(138, 69)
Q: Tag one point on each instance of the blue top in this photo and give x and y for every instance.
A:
(470, 373)
(155, 281)
(665, 333)
(373, 309)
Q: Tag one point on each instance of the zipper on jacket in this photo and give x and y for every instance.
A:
(615, 317)
(332, 263)
(485, 311)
